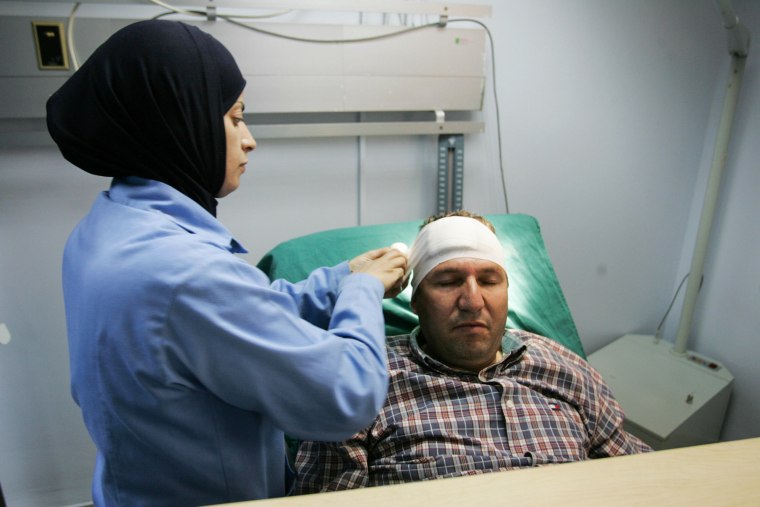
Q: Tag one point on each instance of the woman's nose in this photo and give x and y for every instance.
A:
(249, 142)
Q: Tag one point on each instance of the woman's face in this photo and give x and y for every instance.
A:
(239, 143)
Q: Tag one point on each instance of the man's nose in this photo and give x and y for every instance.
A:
(471, 299)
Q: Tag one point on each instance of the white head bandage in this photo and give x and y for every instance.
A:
(451, 238)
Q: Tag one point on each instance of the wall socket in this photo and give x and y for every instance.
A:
(50, 42)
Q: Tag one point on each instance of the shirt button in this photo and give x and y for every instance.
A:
(510, 404)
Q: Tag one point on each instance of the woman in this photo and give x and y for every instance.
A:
(187, 362)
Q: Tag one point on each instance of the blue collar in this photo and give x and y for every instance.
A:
(156, 197)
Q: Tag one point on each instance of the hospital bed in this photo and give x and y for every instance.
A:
(716, 474)
(536, 301)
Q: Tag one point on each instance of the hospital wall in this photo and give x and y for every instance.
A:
(608, 115)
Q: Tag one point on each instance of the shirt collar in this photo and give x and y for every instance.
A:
(155, 196)
(511, 348)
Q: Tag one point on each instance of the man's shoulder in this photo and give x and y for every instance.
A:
(398, 341)
(400, 355)
(399, 345)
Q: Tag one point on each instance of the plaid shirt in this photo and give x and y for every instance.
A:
(541, 404)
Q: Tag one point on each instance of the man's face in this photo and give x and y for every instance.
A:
(462, 305)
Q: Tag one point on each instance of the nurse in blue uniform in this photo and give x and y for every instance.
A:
(187, 362)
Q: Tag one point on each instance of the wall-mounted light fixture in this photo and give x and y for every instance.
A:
(50, 43)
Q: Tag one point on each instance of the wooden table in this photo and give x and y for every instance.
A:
(726, 473)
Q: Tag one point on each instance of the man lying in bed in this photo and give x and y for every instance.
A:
(465, 396)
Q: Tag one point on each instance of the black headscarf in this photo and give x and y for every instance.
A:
(150, 102)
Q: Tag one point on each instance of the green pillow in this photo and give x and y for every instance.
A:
(536, 301)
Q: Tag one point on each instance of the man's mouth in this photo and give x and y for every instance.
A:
(470, 325)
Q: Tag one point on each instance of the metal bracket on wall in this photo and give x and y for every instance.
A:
(450, 172)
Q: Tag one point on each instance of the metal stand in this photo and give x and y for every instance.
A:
(450, 172)
(738, 46)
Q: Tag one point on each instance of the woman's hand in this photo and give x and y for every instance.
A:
(387, 265)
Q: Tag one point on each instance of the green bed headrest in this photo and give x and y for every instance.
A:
(536, 301)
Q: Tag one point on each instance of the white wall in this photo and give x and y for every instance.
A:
(45, 454)
(608, 111)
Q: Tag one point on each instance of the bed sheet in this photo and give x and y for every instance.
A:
(536, 301)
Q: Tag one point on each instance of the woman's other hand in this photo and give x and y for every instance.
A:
(387, 265)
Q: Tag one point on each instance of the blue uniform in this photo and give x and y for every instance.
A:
(188, 363)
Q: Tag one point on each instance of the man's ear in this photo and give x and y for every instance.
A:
(413, 303)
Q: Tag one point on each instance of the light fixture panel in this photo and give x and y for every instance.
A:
(50, 43)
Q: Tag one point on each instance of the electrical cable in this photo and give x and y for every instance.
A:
(658, 333)
(172, 13)
(496, 105)
(231, 19)
(70, 36)
(176, 10)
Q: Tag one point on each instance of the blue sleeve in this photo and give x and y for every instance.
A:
(315, 297)
(245, 340)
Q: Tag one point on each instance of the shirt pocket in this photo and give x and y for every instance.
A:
(549, 430)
